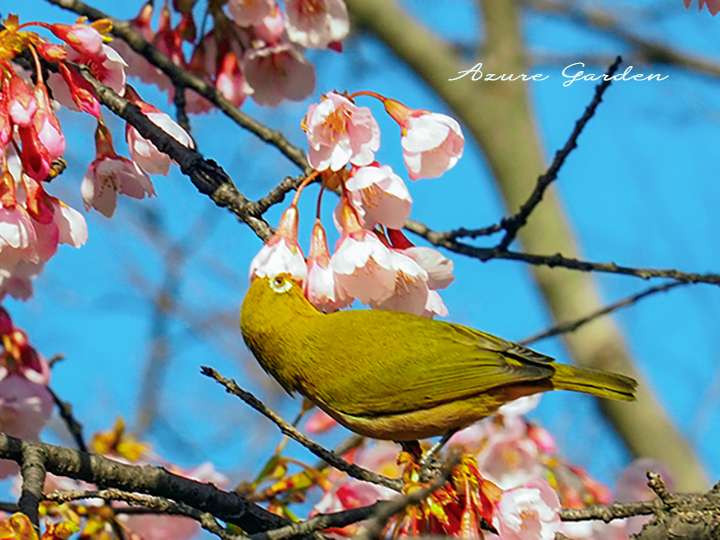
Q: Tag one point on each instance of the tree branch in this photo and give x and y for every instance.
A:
(66, 413)
(148, 479)
(32, 470)
(159, 505)
(231, 387)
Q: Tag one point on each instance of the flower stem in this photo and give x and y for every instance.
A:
(309, 178)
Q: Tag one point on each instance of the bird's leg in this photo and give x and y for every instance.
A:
(412, 448)
(427, 459)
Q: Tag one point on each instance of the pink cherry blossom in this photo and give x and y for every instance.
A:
(435, 305)
(18, 239)
(281, 254)
(520, 406)
(34, 156)
(81, 37)
(230, 80)
(510, 461)
(138, 66)
(712, 5)
(379, 196)
(109, 175)
(529, 512)
(410, 291)
(249, 12)
(432, 143)
(71, 90)
(71, 225)
(278, 72)
(145, 154)
(321, 287)
(542, 438)
(339, 132)
(25, 408)
(47, 125)
(362, 263)
(22, 104)
(108, 67)
(317, 23)
(320, 422)
(272, 28)
(438, 267)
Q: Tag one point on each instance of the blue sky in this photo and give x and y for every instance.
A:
(640, 190)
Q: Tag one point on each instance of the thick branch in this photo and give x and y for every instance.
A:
(32, 470)
(158, 505)
(147, 479)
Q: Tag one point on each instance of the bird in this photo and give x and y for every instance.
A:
(398, 376)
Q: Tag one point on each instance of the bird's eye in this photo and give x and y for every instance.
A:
(280, 284)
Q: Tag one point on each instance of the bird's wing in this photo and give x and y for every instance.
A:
(392, 362)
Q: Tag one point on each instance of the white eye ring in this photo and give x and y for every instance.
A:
(280, 285)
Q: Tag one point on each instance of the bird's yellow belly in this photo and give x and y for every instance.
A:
(423, 423)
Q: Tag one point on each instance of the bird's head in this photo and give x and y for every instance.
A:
(272, 296)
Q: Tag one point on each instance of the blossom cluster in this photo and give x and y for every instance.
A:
(96, 520)
(517, 478)
(253, 47)
(373, 261)
(33, 222)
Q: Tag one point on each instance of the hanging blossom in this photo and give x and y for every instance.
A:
(372, 261)
(109, 175)
(259, 54)
(25, 402)
(143, 152)
(713, 6)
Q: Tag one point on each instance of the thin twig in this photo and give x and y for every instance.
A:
(514, 223)
(66, 413)
(572, 326)
(323, 453)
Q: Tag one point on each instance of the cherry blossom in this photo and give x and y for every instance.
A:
(278, 72)
(108, 67)
(528, 512)
(22, 104)
(321, 287)
(272, 28)
(47, 126)
(320, 422)
(317, 23)
(25, 407)
(438, 267)
(410, 291)
(110, 174)
(281, 254)
(143, 152)
(713, 6)
(249, 12)
(339, 132)
(380, 196)
(82, 37)
(362, 264)
(230, 80)
(432, 143)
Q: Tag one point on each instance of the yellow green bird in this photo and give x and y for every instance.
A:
(398, 376)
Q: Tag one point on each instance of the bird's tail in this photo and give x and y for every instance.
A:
(604, 384)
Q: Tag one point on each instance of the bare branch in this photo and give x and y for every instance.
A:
(158, 505)
(105, 472)
(571, 326)
(513, 224)
(66, 413)
(231, 387)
